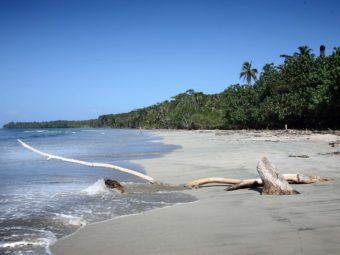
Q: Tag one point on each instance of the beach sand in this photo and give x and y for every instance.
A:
(236, 222)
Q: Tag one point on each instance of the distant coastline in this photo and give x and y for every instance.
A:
(54, 124)
(302, 92)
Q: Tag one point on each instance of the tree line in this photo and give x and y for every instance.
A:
(302, 92)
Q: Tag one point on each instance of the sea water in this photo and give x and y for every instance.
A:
(41, 201)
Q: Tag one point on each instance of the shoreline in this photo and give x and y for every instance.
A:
(219, 220)
(115, 218)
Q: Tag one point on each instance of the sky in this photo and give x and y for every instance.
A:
(73, 60)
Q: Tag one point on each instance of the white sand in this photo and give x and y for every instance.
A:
(237, 222)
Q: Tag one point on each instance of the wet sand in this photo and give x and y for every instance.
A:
(236, 222)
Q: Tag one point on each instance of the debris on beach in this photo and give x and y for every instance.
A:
(331, 153)
(115, 185)
(272, 181)
(335, 143)
(298, 156)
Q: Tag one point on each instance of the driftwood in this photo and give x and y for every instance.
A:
(330, 153)
(211, 180)
(90, 164)
(298, 156)
(113, 184)
(273, 181)
(248, 183)
(243, 184)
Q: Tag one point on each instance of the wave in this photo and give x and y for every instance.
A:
(9, 134)
(96, 188)
(37, 242)
(27, 241)
(72, 220)
(35, 131)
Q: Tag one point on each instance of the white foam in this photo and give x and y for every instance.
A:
(96, 188)
(38, 242)
(73, 220)
(14, 244)
(34, 131)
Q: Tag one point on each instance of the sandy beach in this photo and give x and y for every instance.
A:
(235, 222)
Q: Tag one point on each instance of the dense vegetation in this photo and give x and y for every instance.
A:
(303, 92)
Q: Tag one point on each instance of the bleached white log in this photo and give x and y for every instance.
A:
(273, 181)
(90, 164)
(248, 183)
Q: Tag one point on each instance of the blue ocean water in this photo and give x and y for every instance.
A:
(41, 201)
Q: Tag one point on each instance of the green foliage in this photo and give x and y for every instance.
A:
(303, 92)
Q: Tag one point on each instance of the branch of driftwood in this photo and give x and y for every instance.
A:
(90, 164)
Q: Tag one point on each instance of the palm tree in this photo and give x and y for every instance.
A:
(336, 51)
(322, 51)
(304, 51)
(248, 73)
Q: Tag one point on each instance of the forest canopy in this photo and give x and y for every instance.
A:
(302, 92)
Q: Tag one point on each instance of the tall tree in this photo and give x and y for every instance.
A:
(248, 73)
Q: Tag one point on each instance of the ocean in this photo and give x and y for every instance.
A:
(42, 201)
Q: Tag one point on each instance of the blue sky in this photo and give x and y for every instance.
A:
(67, 59)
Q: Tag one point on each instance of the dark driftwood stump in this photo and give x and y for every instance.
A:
(113, 184)
(335, 143)
(273, 182)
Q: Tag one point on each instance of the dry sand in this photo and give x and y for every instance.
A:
(237, 222)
